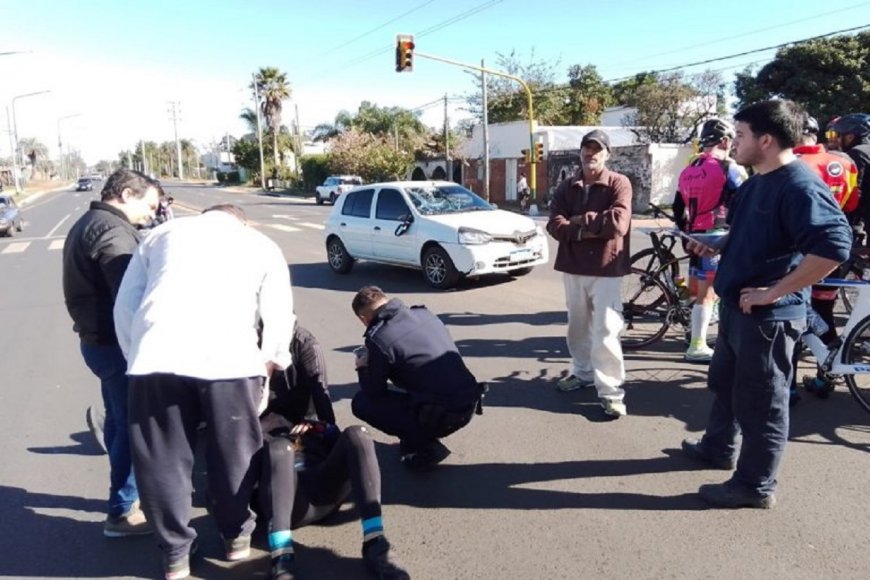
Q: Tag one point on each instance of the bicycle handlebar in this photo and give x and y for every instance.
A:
(657, 211)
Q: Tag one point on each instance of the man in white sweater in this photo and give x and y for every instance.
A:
(186, 317)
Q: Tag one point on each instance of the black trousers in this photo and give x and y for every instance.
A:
(293, 499)
(416, 425)
(165, 411)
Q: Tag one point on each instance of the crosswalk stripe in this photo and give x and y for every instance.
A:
(284, 217)
(311, 225)
(15, 248)
(56, 245)
(284, 228)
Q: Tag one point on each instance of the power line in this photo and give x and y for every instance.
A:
(750, 33)
(379, 27)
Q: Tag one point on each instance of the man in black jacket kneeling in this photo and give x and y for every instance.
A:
(411, 348)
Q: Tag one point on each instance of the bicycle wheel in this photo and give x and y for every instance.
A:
(646, 309)
(849, 294)
(857, 351)
(648, 261)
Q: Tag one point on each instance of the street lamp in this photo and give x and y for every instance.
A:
(60, 142)
(16, 154)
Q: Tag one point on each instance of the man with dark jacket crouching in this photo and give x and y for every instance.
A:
(411, 348)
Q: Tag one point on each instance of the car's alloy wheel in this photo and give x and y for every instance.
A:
(339, 260)
(438, 268)
(318, 199)
(332, 198)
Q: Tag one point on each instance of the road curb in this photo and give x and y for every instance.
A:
(37, 194)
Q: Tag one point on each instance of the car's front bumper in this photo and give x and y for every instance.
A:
(495, 257)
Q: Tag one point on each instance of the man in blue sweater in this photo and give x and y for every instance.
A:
(787, 232)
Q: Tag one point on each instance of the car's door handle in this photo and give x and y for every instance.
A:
(377, 228)
(342, 224)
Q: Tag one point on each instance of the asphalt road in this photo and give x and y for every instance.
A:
(538, 487)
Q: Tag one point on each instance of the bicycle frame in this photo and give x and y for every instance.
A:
(830, 358)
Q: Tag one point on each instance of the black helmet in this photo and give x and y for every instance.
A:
(713, 131)
(857, 124)
(811, 126)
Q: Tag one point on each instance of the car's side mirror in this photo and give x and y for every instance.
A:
(170, 200)
(407, 220)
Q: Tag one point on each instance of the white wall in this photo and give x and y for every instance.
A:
(667, 162)
(506, 141)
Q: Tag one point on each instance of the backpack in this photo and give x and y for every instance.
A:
(702, 185)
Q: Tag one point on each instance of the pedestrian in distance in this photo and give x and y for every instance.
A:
(787, 232)
(523, 192)
(187, 318)
(95, 256)
(706, 187)
(590, 218)
(310, 466)
(852, 134)
(412, 349)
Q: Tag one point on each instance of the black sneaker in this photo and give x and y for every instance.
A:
(284, 567)
(376, 555)
(728, 496)
(426, 458)
(692, 448)
(819, 387)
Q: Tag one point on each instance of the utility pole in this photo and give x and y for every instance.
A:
(447, 142)
(175, 106)
(298, 136)
(14, 151)
(142, 146)
(259, 132)
(396, 135)
(485, 132)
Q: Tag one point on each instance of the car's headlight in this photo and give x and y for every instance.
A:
(470, 237)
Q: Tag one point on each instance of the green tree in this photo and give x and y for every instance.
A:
(371, 157)
(587, 95)
(670, 109)
(247, 154)
(326, 131)
(273, 89)
(623, 92)
(828, 76)
(507, 100)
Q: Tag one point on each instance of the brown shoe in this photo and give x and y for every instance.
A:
(133, 523)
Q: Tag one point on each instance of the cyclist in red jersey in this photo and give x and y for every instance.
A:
(840, 174)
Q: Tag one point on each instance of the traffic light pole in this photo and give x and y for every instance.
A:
(533, 162)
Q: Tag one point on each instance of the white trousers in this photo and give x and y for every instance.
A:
(594, 324)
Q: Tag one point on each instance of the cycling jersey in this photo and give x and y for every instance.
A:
(838, 172)
(705, 187)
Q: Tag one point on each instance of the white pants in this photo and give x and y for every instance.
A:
(594, 324)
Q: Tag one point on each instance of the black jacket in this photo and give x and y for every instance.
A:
(95, 256)
(860, 154)
(412, 348)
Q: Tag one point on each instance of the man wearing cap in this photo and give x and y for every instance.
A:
(590, 217)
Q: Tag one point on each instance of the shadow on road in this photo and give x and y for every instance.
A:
(530, 318)
(84, 445)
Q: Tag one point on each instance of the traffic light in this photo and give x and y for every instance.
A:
(526, 155)
(404, 53)
(539, 151)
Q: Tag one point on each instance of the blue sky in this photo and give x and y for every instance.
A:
(116, 64)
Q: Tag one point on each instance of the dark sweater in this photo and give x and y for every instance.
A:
(777, 218)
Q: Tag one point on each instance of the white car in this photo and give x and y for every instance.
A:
(334, 186)
(437, 226)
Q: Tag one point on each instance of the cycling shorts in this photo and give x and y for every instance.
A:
(703, 268)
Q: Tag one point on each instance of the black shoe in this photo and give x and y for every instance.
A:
(376, 555)
(284, 568)
(692, 448)
(726, 495)
(95, 421)
(426, 458)
(819, 387)
(794, 397)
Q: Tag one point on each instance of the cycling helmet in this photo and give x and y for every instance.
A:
(713, 131)
(811, 126)
(857, 124)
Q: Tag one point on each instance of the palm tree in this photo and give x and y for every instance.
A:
(274, 89)
(33, 150)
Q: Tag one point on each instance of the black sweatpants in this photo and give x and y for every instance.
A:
(165, 411)
(294, 499)
(399, 415)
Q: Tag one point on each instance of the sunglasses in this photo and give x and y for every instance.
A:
(829, 134)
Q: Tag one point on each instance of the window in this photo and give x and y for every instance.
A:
(391, 205)
(358, 203)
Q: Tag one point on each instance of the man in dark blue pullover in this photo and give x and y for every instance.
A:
(411, 348)
(787, 232)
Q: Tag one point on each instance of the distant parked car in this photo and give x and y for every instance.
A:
(436, 226)
(10, 216)
(334, 186)
(85, 184)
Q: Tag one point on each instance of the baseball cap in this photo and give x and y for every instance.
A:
(598, 136)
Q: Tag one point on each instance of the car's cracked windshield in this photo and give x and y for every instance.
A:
(431, 200)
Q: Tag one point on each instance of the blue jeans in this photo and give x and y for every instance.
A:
(750, 375)
(108, 364)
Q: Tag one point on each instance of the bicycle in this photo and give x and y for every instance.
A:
(856, 268)
(849, 358)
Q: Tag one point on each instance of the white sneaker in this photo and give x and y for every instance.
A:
(614, 408)
(702, 353)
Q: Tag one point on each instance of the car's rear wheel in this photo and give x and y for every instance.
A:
(521, 271)
(332, 198)
(438, 268)
(318, 199)
(339, 260)
(20, 226)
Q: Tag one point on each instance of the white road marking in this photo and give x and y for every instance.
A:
(60, 223)
(314, 226)
(56, 245)
(284, 217)
(15, 248)
(284, 228)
